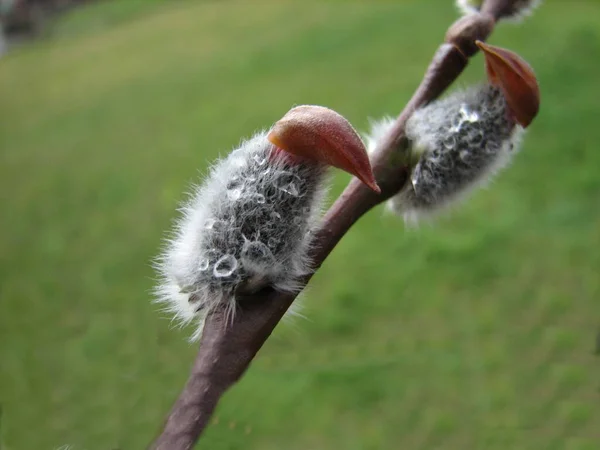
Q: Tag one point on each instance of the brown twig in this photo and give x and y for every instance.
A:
(226, 351)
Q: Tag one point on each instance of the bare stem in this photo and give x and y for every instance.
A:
(226, 351)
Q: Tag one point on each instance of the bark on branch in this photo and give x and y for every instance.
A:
(226, 351)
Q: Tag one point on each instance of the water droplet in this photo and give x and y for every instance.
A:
(256, 253)
(456, 125)
(266, 172)
(234, 194)
(297, 220)
(288, 183)
(204, 263)
(259, 160)
(275, 216)
(225, 266)
(449, 142)
(291, 189)
(468, 116)
(260, 198)
(272, 242)
(476, 137)
(434, 158)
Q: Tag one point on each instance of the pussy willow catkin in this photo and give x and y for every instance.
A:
(247, 226)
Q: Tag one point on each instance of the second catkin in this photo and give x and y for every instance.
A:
(458, 143)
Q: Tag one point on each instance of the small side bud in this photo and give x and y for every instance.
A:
(513, 10)
(457, 144)
(469, 29)
(247, 227)
(321, 134)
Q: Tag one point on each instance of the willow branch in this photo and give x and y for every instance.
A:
(226, 351)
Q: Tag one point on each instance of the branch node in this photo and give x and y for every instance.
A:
(468, 29)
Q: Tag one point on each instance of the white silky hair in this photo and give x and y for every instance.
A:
(521, 8)
(378, 129)
(458, 144)
(248, 225)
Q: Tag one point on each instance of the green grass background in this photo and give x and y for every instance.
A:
(474, 332)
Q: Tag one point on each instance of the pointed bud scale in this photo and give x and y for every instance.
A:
(320, 134)
(246, 227)
(515, 78)
(457, 144)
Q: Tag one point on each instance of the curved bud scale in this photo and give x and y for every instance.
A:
(320, 134)
(515, 78)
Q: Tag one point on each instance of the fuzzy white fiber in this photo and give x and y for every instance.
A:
(379, 128)
(247, 226)
(459, 143)
(520, 10)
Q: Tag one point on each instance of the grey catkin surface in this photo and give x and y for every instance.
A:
(458, 143)
(247, 225)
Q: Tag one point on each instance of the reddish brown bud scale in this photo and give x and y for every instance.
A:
(515, 78)
(320, 134)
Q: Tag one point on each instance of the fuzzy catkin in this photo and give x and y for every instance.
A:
(457, 144)
(247, 226)
(520, 8)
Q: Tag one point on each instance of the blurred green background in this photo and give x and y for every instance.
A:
(474, 332)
